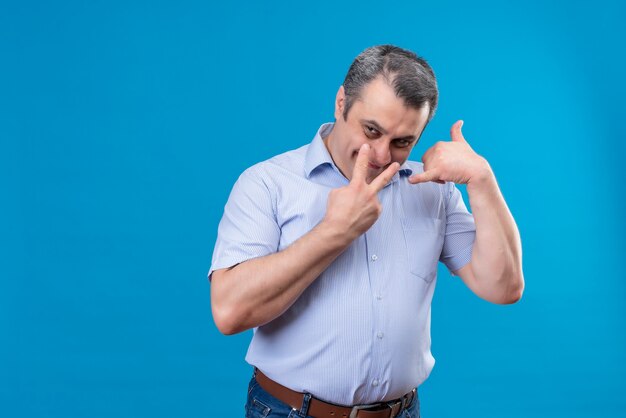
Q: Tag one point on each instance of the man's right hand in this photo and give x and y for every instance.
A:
(353, 209)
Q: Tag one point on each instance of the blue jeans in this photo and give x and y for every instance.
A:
(261, 404)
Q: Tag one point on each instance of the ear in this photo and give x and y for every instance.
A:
(340, 102)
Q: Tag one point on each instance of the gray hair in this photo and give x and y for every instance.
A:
(412, 79)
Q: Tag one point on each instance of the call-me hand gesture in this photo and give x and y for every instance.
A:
(453, 161)
(353, 209)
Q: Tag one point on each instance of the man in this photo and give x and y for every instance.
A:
(329, 252)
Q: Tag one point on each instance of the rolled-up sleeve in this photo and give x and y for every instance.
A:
(460, 231)
(248, 228)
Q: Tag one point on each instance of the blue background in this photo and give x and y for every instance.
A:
(125, 124)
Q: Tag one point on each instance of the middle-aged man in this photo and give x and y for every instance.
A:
(329, 252)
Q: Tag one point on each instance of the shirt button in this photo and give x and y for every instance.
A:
(375, 382)
(374, 257)
(379, 297)
(380, 335)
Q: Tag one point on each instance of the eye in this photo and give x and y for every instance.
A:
(402, 143)
(370, 131)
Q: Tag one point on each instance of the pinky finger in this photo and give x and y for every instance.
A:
(426, 176)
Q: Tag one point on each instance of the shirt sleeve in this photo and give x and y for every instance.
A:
(460, 232)
(248, 228)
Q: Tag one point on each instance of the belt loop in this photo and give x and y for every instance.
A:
(304, 410)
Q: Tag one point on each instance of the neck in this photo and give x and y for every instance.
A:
(328, 140)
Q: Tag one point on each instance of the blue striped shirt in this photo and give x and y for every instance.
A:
(360, 333)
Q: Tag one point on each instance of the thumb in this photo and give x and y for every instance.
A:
(455, 132)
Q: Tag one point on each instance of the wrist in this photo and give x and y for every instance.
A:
(482, 178)
(333, 234)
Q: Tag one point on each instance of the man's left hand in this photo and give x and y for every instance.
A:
(453, 161)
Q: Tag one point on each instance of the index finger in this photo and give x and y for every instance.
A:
(359, 172)
(383, 178)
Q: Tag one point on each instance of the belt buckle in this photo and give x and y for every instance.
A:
(356, 408)
(404, 402)
(400, 404)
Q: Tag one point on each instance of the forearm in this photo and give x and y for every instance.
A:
(497, 254)
(261, 289)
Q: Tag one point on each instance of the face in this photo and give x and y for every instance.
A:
(379, 118)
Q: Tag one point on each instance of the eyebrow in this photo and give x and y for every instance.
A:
(384, 131)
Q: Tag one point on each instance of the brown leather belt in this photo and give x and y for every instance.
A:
(321, 409)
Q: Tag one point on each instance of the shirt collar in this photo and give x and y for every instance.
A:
(317, 154)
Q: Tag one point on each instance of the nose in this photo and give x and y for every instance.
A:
(381, 155)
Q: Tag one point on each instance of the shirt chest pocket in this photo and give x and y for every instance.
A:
(424, 242)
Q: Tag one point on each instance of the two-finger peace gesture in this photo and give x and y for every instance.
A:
(353, 209)
(359, 172)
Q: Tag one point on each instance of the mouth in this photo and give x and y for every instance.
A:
(373, 166)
